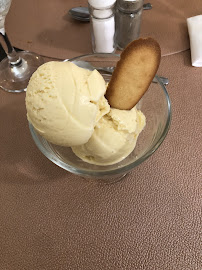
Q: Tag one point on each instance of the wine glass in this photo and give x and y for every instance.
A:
(17, 68)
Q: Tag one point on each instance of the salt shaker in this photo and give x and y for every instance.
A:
(128, 21)
(102, 16)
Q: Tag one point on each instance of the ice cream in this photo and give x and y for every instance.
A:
(66, 105)
(64, 102)
(114, 137)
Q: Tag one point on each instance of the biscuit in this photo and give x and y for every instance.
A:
(133, 74)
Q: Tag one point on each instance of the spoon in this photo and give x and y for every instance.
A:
(87, 65)
(82, 13)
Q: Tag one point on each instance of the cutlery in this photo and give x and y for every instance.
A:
(82, 13)
(87, 65)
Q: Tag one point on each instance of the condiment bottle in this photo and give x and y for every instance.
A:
(128, 21)
(102, 16)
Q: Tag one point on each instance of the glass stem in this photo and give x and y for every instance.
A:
(14, 59)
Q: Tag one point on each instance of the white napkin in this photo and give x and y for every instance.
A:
(195, 35)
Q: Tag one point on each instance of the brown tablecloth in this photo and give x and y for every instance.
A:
(51, 219)
(46, 28)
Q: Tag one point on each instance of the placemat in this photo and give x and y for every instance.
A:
(45, 27)
(51, 219)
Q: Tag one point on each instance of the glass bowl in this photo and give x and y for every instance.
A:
(155, 104)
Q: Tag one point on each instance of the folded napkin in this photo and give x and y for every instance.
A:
(195, 35)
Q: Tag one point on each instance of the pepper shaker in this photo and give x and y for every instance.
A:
(102, 17)
(128, 21)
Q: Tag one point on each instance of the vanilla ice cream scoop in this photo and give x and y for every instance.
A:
(64, 102)
(114, 137)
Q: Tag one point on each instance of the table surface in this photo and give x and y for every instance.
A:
(51, 219)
